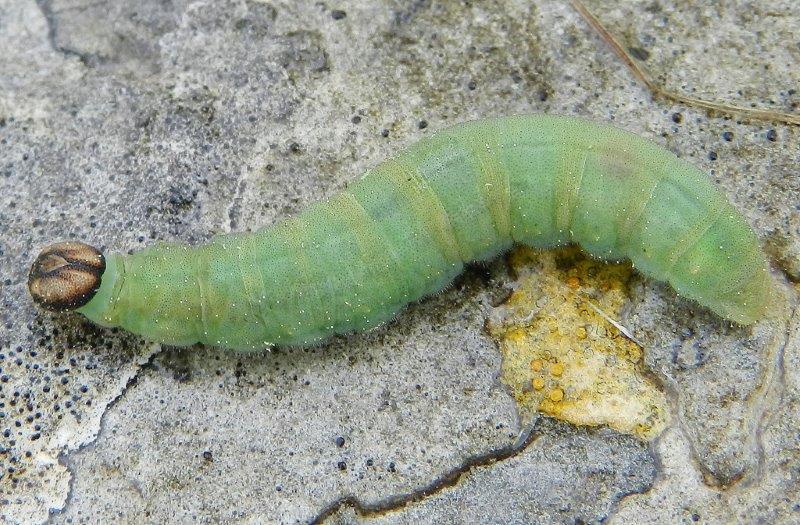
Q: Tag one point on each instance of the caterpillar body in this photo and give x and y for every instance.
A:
(408, 226)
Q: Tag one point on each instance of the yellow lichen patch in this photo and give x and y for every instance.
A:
(561, 354)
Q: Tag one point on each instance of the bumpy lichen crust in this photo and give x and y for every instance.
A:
(563, 357)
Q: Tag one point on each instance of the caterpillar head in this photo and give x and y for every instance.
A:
(66, 275)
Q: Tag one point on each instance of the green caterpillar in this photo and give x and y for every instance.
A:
(406, 228)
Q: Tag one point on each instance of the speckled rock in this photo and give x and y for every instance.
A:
(537, 485)
(122, 123)
(772, 491)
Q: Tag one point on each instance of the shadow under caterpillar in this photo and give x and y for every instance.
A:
(406, 228)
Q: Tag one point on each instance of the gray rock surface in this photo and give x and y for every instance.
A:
(539, 484)
(122, 123)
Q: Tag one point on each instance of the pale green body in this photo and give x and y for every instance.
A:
(407, 227)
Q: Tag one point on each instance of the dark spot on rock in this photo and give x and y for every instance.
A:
(181, 196)
(677, 118)
(338, 14)
(639, 53)
(712, 155)
(342, 465)
(727, 136)
(422, 124)
(772, 135)
(208, 456)
(182, 374)
(356, 120)
(339, 441)
(384, 133)
(471, 85)
(304, 54)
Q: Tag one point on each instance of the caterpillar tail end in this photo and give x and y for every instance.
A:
(66, 275)
(757, 300)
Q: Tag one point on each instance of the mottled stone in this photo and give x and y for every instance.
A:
(124, 123)
(270, 422)
(771, 493)
(538, 484)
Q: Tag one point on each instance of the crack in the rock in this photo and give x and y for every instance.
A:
(669, 386)
(767, 408)
(63, 457)
(45, 6)
(446, 480)
(234, 210)
(761, 412)
(658, 469)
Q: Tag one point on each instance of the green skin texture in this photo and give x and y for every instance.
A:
(406, 229)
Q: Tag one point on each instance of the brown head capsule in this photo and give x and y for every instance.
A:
(66, 275)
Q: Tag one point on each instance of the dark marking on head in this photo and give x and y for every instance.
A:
(66, 275)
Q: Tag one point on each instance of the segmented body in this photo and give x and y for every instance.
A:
(407, 228)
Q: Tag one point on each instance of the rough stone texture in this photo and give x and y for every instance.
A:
(771, 493)
(539, 483)
(126, 122)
